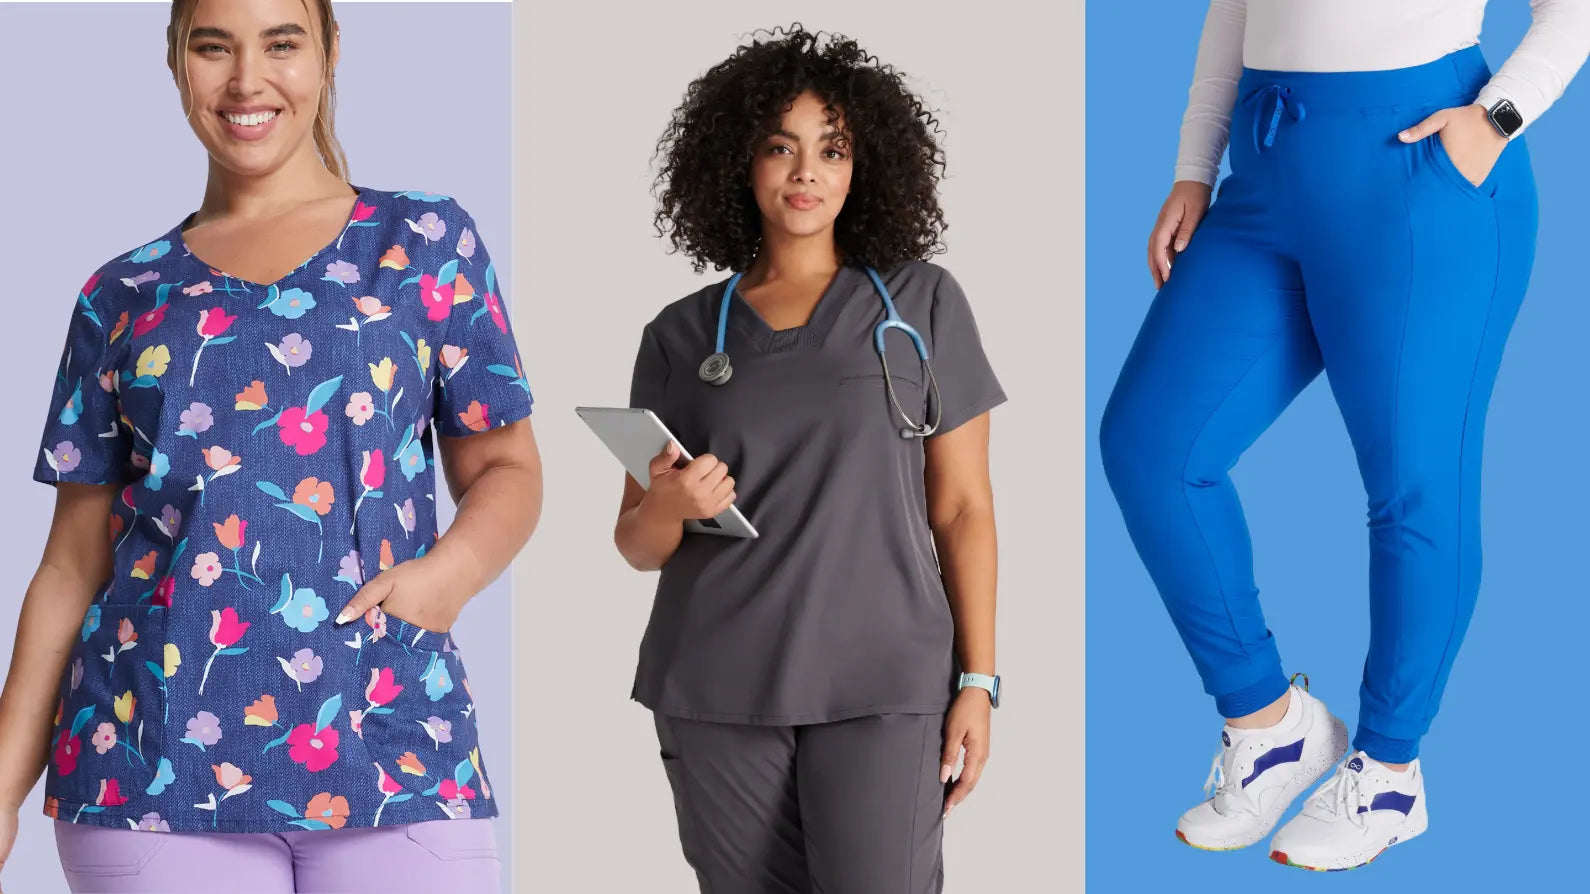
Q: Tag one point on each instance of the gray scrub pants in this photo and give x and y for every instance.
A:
(848, 807)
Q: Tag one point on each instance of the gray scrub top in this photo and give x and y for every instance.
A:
(838, 610)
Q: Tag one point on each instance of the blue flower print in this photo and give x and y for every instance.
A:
(437, 681)
(151, 252)
(290, 304)
(159, 467)
(411, 459)
(90, 621)
(304, 611)
(164, 776)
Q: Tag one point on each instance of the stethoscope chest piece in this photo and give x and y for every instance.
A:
(716, 369)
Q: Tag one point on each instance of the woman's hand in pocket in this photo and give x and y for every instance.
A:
(1467, 135)
(702, 488)
(414, 591)
(1180, 215)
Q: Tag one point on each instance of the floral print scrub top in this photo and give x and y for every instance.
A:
(276, 446)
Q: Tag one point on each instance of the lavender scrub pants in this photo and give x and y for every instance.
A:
(443, 855)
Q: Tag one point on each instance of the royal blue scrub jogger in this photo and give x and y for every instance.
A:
(1332, 246)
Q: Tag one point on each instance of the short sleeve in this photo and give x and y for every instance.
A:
(966, 382)
(482, 384)
(84, 440)
(649, 382)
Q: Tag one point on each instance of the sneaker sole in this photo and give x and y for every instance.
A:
(1308, 774)
(1284, 860)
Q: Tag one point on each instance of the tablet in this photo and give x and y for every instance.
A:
(635, 437)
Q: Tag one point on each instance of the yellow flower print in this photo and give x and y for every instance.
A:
(381, 374)
(173, 660)
(424, 354)
(153, 361)
(124, 706)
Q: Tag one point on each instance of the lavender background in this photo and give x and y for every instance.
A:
(97, 159)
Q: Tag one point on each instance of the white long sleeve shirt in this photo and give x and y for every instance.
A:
(1366, 35)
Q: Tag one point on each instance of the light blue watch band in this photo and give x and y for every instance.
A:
(982, 681)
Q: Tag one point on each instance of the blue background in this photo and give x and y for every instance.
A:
(1505, 778)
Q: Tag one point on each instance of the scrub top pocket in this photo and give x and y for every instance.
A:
(108, 740)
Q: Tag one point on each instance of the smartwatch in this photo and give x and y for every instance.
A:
(1505, 118)
(982, 681)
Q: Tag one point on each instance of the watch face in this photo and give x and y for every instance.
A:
(1506, 118)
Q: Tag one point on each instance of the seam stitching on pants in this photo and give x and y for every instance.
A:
(1490, 307)
(922, 766)
(1396, 419)
(1225, 600)
(687, 803)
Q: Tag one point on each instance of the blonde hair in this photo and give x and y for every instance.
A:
(326, 144)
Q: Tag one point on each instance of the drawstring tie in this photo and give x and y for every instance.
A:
(1285, 105)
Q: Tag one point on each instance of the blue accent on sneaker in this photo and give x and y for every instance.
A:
(1356, 765)
(1225, 738)
(1391, 801)
(1286, 754)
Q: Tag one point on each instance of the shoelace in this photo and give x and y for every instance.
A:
(1226, 789)
(1343, 793)
(1284, 106)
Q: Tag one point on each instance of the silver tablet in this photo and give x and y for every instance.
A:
(635, 437)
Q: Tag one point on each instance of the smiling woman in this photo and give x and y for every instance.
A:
(262, 648)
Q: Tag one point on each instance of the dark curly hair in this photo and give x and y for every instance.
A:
(705, 207)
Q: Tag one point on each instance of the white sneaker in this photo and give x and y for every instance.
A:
(1258, 772)
(1364, 809)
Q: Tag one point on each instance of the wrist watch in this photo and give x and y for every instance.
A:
(982, 681)
(1505, 118)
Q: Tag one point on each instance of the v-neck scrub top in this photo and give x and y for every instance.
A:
(276, 446)
(837, 610)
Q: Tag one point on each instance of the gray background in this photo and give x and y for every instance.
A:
(594, 86)
(97, 159)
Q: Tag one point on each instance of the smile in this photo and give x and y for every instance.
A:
(252, 119)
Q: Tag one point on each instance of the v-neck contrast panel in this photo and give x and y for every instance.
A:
(749, 323)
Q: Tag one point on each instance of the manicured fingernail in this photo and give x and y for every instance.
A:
(344, 618)
(947, 813)
(1181, 244)
(944, 773)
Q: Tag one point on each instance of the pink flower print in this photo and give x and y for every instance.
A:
(430, 226)
(304, 432)
(341, 272)
(382, 689)
(466, 244)
(65, 458)
(110, 793)
(495, 306)
(452, 791)
(356, 723)
(202, 288)
(361, 407)
(149, 321)
(215, 322)
(437, 297)
(372, 308)
(104, 737)
(164, 592)
(361, 211)
(225, 631)
(67, 748)
(140, 461)
(389, 788)
(292, 351)
(204, 730)
(206, 569)
(315, 750)
(376, 618)
(373, 472)
(91, 285)
(195, 419)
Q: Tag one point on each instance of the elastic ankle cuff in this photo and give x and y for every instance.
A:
(1251, 698)
(1384, 748)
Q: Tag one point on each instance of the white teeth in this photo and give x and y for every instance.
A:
(253, 119)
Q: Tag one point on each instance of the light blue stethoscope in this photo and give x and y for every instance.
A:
(716, 369)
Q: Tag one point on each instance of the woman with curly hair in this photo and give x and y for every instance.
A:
(814, 688)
